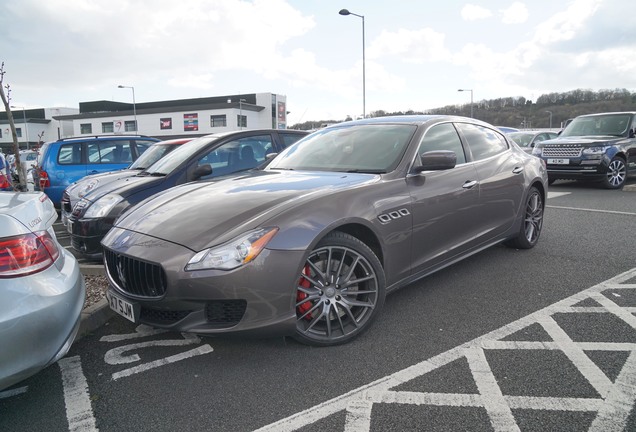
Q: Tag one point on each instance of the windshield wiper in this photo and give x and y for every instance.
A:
(367, 171)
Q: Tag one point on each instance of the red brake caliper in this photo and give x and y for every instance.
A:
(300, 296)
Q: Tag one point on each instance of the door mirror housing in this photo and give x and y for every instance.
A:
(437, 160)
(202, 171)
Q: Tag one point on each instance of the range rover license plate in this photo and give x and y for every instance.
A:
(558, 161)
(121, 306)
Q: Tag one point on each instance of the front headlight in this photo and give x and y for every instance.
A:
(536, 150)
(102, 206)
(595, 150)
(233, 254)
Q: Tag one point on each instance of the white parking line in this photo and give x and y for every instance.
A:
(612, 408)
(13, 392)
(79, 411)
(593, 210)
(557, 194)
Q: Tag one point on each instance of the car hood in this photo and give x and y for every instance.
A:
(124, 186)
(587, 141)
(202, 214)
(82, 187)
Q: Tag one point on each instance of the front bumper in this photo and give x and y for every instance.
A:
(87, 234)
(255, 299)
(578, 168)
(39, 318)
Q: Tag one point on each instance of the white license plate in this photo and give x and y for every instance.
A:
(121, 306)
(559, 161)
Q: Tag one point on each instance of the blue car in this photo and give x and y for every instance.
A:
(67, 160)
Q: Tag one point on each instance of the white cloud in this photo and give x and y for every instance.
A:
(411, 46)
(565, 25)
(471, 12)
(517, 13)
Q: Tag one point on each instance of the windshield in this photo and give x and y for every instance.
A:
(603, 125)
(174, 159)
(373, 148)
(152, 155)
(521, 138)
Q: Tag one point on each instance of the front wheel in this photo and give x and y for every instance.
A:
(532, 223)
(616, 174)
(341, 289)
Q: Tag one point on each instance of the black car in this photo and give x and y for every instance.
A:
(206, 157)
(597, 147)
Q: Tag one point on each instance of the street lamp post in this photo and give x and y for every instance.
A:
(240, 117)
(26, 127)
(134, 104)
(471, 99)
(550, 112)
(364, 91)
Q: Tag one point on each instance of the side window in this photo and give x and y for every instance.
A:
(109, 152)
(70, 154)
(237, 155)
(142, 146)
(482, 142)
(289, 139)
(443, 137)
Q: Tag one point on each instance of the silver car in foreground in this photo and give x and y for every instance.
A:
(310, 245)
(42, 291)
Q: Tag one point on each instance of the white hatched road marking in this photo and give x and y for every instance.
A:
(557, 194)
(79, 412)
(13, 392)
(612, 408)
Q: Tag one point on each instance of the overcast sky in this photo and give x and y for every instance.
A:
(418, 53)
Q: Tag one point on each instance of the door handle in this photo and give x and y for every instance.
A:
(517, 170)
(94, 172)
(469, 184)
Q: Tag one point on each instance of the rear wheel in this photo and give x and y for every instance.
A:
(532, 223)
(340, 291)
(616, 174)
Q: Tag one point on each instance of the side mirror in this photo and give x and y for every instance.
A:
(202, 171)
(437, 160)
(632, 133)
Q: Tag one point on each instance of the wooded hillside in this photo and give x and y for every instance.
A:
(521, 113)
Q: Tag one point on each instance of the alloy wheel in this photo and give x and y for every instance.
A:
(338, 291)
(616, 173)
(534, 217)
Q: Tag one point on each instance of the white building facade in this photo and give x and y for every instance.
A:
(35, 126)
(180, 118)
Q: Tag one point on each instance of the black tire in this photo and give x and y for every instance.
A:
(532, 223)
(616, 174)
(340, 291)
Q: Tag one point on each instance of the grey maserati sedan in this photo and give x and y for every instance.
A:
(310, 245)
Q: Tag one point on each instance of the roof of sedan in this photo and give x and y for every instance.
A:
(410, 119)
(175, 141)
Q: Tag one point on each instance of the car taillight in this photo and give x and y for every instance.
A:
(44, 180)
(4, 183)
(27, 254)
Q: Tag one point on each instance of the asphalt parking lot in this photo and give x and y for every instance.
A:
(506, 340)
